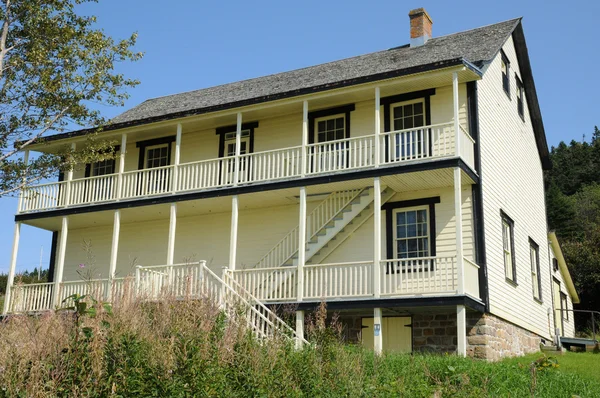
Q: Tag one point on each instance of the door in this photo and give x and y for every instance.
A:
(558, 316)
(396, 330)
(330, 156)
(229, 153)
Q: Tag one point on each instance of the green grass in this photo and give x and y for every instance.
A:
(583, 364)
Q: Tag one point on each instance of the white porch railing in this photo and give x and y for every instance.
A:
(343, 280)
(399, 277)
(31, 298)
(357, 153)
(418, 276)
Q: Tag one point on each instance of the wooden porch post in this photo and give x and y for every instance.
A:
(123, 151)
(304, 157)
(174, 183)
(172, 228)
(377, 331)
(234, 233)
(301, 244)
(299, 329)
(461, 326)
(238, 144)
(455, 112)
(26, 162)
(67, 200)
(114, 249)
(376, 237)
(60, 264)
(13, 266)
(377, 146)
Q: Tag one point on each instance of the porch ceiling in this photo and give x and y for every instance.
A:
(406, 182)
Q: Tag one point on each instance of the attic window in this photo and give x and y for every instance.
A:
(554, 264)
(520, 105)
(505, 73)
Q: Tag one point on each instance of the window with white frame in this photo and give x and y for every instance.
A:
(330, 128)
(157, 156)
(564, 305)
(411, 233)
(508, 247)
(103, 167)
(407, 116)
(536, 280)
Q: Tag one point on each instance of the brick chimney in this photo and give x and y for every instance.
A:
(420, 27)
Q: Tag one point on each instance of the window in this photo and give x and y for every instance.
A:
(564, 305)
(554, 264)
(331, 128)
(411, 233)
(505, 73)
(536, 280)
(157, 156)
(520, 91)
(103, 167)
(329, 124)
(508, 246)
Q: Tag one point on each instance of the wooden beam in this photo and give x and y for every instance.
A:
(60, 264)
(460, 271)
(377, 126)
(461, 330)
(376, 236)
(377, 331)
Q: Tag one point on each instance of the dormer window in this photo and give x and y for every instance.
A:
(520, 104)
(505, 73)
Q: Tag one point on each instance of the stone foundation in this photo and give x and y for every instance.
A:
(493, 338)
(488, 337)
(434, 332)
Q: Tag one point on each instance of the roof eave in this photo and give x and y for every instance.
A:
(531, 95)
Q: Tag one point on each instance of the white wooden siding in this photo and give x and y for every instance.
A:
(512, 180)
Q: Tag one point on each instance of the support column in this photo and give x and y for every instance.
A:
(461, 330)
(460, 270)
(234, 232)
(301, 244)
(172, 228)
(304, 164)
(377, 146)
(238, 144)
(60, 263)
(123, 151)
(114, 249)
(299, 329)
(457, 133)
(67, 197)
(13, 265)
(174, 183)
(377, 331)
(25, 162)
(376, 237)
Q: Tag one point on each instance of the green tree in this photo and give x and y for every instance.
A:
(56, 67)
(573, 204)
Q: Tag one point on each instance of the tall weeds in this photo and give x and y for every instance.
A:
(185, 348)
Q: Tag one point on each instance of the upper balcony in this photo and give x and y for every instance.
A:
(425, 125)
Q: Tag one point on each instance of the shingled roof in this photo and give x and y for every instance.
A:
(475, 46)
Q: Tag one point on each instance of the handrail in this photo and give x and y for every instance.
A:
(338, 264)
(471, 262)
(467, 133)
(449, 124)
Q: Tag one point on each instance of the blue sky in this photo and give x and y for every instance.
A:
(192, 44)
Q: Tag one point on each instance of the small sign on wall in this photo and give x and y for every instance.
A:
(377, 328)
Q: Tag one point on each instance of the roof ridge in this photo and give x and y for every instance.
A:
(322, 64)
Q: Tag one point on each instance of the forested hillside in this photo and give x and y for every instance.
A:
(573, 200)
